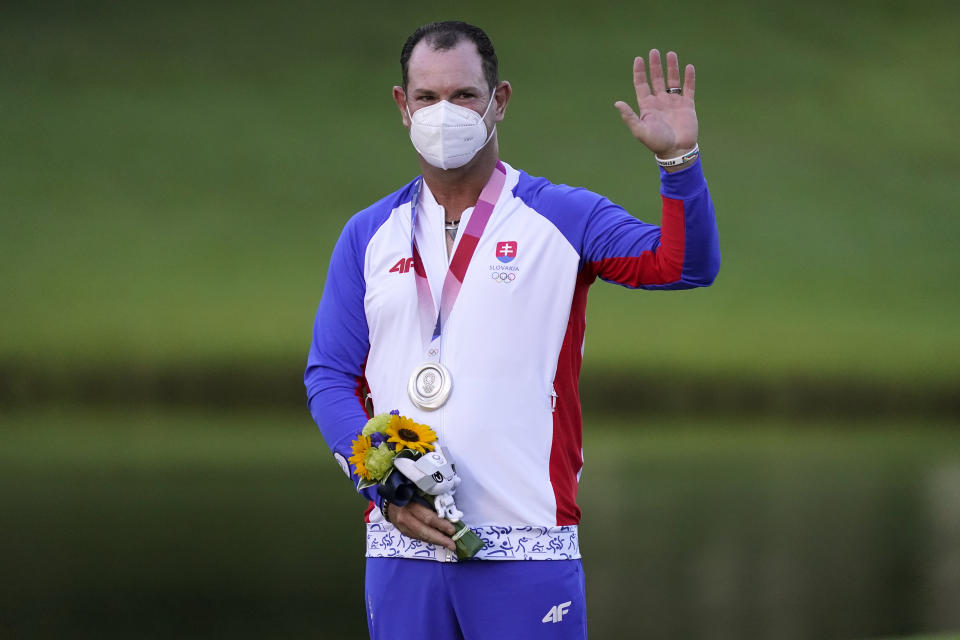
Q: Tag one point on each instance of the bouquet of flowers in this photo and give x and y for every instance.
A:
(403, 459)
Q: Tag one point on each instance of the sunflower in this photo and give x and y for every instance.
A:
(407, 434)
(360, 448)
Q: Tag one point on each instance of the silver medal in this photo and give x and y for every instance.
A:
(429, 385)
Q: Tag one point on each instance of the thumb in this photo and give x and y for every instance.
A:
(631, 119)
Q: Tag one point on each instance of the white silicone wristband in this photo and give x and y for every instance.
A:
(674, 162)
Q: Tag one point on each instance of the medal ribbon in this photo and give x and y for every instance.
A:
(432, 321)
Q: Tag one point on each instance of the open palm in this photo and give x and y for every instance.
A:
(667, 123)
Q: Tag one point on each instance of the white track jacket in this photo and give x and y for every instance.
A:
(513, 343)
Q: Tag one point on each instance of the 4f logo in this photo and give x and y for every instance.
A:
(506, 251)
(403, 265)
(556, 612)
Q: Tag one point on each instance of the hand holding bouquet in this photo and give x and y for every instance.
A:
(402, 458)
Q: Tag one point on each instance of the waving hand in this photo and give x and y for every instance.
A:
(667, 123)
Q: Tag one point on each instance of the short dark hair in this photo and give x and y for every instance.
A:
(447, 35)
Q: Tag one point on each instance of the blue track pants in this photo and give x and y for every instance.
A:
(475, 600)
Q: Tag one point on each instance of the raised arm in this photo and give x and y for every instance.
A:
(684, 251)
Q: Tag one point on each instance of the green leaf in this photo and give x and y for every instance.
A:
(364, 483)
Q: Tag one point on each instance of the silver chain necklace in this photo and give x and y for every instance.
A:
(450, 227)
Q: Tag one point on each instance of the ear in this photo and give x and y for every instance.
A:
(502, 96)
(400, 97)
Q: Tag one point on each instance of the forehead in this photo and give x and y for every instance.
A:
(433, 70)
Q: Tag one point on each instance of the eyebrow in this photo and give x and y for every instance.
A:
(467, 89)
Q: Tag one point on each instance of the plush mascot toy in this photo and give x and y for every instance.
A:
(435, 476)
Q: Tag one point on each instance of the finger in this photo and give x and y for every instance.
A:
(640, 79)
(689, 81)
(631, 119)
(656, 73)
(414, 522)
(431, 519)
(673, 70)
(421, 531)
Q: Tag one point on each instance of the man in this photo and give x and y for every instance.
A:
(495, 374)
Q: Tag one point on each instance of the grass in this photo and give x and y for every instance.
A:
(160, 523)
(174, 176)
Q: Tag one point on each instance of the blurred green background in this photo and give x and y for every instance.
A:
(777, 456)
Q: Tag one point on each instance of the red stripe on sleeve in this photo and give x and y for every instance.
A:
(362, 389)
(663, 265)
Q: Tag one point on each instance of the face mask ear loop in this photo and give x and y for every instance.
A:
(493, 95)
(484, 116)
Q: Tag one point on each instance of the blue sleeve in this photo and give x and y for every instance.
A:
(338, 352)
(683, 252)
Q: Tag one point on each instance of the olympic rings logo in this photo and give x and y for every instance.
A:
(503, 276)
(428, 383)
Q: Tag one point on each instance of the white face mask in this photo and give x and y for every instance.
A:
(448, 136)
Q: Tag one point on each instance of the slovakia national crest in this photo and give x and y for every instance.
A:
(506, 251)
